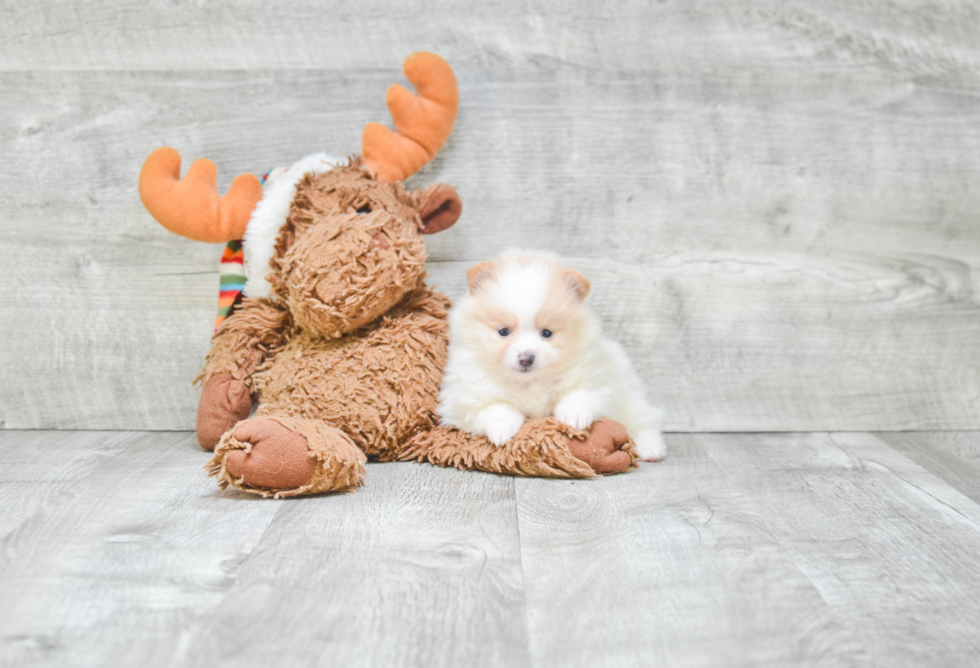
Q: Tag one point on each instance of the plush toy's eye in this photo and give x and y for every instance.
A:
(503, 331)
(546, 333)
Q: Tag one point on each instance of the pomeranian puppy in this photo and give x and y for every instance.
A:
(524, 344)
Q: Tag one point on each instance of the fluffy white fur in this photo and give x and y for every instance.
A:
(269, 215)
(577, 375)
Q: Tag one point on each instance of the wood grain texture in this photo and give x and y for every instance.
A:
(39, 466)
(888, 544)
(776, 201)
(139, 547)
(671, 565)
(953, 456)
(738, 550)
(143, 561)
(621, 35)
(754, 550)
(420, 567)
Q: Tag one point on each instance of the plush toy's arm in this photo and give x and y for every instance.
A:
(543, 447)
(244, 340)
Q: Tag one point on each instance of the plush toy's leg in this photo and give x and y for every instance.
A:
(607, 448)
(543, 447)
(284, 456)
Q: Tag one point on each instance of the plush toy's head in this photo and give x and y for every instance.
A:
(338, 244)
(352, 247)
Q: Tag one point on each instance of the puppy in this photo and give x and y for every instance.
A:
(524, 344)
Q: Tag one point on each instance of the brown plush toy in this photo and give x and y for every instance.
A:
(339, 340)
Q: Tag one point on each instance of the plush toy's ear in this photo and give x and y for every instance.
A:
(480, 274)
(422, 122)
(440, 210)
(577, 282)
(192, 207)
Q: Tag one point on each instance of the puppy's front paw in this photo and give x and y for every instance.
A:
(502, 432)
(578, 410)
(500, 422)
(650, 446)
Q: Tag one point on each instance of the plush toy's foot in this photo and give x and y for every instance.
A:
(606, 449)
(280, 456)
(278, 459)
(224, 401)
(543, 447)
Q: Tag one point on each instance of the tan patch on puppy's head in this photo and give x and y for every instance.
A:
(480, 274)
(564, 314)
(488, 317)
(579, 283)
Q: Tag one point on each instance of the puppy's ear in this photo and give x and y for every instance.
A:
(480, 274)
(577, 282)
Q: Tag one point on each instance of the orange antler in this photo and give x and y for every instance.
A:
(191, 207)
(423, 122)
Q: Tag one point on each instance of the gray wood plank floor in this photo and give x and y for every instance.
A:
(775, 549)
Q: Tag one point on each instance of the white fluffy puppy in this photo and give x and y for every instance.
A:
(523, 344)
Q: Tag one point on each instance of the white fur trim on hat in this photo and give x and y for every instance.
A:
(268, 217)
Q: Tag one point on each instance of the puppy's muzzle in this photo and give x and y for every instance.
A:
(525, 360)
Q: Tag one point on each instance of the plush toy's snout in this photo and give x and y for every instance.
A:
(347, 271)
(352, 247)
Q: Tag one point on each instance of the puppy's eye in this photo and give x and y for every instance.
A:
(546, 333)
(503, 331)
(364, 209)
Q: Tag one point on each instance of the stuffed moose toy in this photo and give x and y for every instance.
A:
(336, 338)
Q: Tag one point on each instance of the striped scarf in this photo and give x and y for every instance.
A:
(232, 274)
(232, 271)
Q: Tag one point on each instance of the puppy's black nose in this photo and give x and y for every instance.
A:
(526, 360)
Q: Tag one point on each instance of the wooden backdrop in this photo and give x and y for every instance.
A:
(777, 202)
